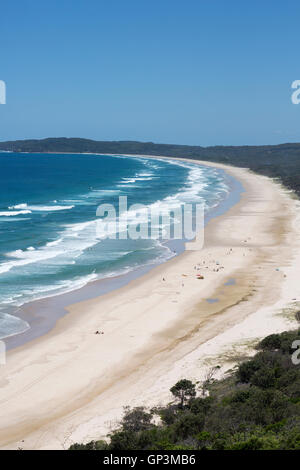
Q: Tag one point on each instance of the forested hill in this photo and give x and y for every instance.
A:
(281, 161)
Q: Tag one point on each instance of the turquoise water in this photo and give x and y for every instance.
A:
(49, 231)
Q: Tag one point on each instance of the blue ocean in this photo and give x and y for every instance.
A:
(49, 243)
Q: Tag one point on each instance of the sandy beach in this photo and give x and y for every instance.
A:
(71, 385)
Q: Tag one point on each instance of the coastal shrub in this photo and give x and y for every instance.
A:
(246, 370)
(200, 405)
(203, 439)
(168, 415)
(183, 391)
(240, 397)
(270, 342)
(291, 440)
(92, 445)
(282, 341)
(264, 378)
(188, 424)
(267, 442)
(136, 419)
(123, 440)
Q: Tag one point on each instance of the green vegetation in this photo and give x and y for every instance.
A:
(277, 161)
(256, 408)
(184, 390)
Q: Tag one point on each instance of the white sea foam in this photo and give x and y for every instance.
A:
(23, 258)
(105, 192)
(47, 291)
(13, 213)
(140, 176)
(11, 325)
(39, 208)
(54, 242)
(13, 219)
(78, 282)
(19, 206)
(50, 208)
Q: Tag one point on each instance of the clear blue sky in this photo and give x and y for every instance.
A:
(200, 72)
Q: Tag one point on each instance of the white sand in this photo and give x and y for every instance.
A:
(71, 384)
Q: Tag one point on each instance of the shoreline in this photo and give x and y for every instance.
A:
(42, 314)
(150, 342)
